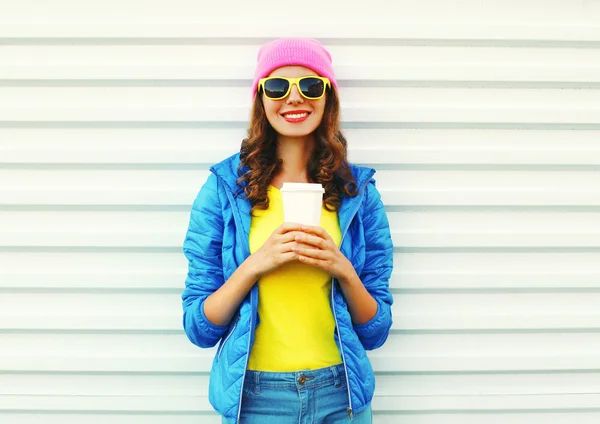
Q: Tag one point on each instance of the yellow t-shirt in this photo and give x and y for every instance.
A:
(296, 327)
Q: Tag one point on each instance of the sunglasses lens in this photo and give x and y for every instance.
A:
(312, 87)
(276, 88)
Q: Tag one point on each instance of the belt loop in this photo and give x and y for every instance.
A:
(336, 376)
(257, 382)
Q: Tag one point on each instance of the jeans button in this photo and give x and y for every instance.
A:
(302, 379)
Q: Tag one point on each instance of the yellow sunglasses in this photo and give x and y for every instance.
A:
(310, 87)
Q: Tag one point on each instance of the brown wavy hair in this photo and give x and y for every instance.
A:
(328, 164)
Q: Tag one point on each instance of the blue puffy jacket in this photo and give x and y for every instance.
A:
(216, 243)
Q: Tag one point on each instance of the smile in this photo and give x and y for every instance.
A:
(295, 117)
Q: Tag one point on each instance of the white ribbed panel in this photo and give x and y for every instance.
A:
(481, 117)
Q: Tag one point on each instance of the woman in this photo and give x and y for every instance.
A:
(293, 306)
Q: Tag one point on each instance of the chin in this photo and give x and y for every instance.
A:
(286, 131)
(295, 133)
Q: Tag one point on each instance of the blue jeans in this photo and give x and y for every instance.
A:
(304, 397)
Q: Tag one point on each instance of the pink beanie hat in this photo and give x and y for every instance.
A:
(306, 52)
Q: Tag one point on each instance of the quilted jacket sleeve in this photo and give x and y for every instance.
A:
(377, 269)
(202, 248)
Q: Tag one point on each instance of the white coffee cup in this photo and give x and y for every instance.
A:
(302, 203)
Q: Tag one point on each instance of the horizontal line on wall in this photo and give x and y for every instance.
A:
(137, 83)
(112, 166)
(476, 167)
(97, 290)
(198, 413)
(388, 208)
(488, 208)
(252, 41)
(88, 249)
(491, 372)
(472, 84)
(468, 125)
(126, 124)
(92, 331)
(397, 249)
(342, 83)
(378, 166)
(243, 124)
(486, 249)
(503, 290)
(102, 208)
(378, 412)
(500, 331)
(426, 402)
(377, 373)
(393, 332)
(398, 291)
(395, 291)
(484, 412)
(104, 373)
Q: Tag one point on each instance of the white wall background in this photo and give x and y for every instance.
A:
(482, 118)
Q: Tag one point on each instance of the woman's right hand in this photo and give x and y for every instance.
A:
(277, 250)
(220, 306)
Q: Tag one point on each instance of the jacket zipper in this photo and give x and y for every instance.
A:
(227, 338)
(349, 409)
(247, 356)
(247, 253)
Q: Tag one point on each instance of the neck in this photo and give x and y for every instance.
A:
(295, 153)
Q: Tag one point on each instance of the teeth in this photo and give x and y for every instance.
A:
(296, 115)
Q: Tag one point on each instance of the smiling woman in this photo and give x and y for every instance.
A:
(293, 306)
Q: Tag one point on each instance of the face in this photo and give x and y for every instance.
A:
(294, 115)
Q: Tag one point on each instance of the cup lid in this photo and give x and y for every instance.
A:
(303, 187)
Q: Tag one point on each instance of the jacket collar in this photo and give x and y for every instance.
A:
(227, 171)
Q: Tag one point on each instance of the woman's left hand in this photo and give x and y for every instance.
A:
(323, 253)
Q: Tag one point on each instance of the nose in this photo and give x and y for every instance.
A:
(294, 97)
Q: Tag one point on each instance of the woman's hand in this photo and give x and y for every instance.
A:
(278, 249)
(323, 253)
(220, 306)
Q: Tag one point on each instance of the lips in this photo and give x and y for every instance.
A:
(295, 115)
